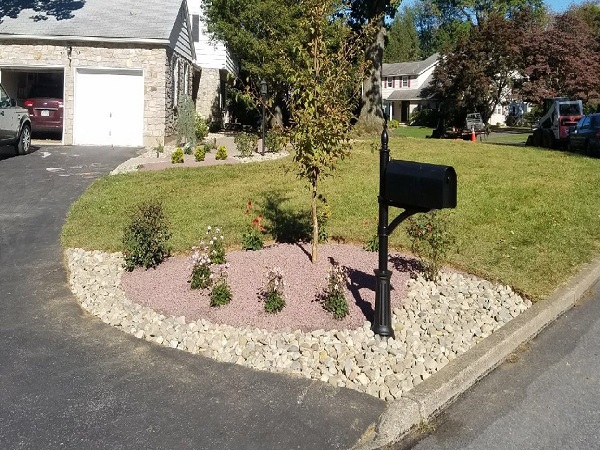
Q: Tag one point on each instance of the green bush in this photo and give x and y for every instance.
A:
(430, 241)
(177, 156)
(199, 153)
(221, 293)
(207, 148)
(200, 128)
(221, 152)
(273, 292)
(200, 276)
(246, 144)
(185, 123)
(275, 141)
(333, 298)
(187, 149)
(425, 117)
(252, 240)
(146, 236)
(372, 245)
(393, 124)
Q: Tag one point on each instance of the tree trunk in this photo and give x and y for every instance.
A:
(371, 114)
(315, 222)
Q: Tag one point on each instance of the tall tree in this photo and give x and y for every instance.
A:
(478, 74)
(562, 60)
(373, 12)
(402, 41)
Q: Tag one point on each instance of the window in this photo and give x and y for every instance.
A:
(185, 79)
(195, 27)
(4, 98)
(390, 82)
(175, 82)
(404, 81)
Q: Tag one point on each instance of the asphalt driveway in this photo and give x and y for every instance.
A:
(69, 381)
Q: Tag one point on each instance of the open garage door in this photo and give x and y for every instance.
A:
(109, 107)
(41, 91)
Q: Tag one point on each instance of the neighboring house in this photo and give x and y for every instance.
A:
(402, 84)
(216, 64)
(122, 66)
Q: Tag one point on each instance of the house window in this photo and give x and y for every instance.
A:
(390, 82)
(196, 27)
(186, 75)
(404, 81)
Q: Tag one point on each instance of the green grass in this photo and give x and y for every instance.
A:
(412, 131)
(526, 217)
(508, 138)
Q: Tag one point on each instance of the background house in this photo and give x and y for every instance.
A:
(402, 84)
(216, 64)
(121, 65)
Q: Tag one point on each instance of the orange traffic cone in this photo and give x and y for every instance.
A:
(473, 137)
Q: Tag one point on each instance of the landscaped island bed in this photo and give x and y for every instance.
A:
(525, 216)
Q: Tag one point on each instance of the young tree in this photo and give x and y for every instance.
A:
(402, 38)
(324, 70)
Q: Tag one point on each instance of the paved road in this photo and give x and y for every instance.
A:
(69, 381)
(547, 398)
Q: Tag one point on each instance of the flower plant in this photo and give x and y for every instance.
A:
(252, 237)
(273, 291)
(333, 298)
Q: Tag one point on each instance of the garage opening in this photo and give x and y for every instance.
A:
(41, 91)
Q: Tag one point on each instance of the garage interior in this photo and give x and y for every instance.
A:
(23, 83)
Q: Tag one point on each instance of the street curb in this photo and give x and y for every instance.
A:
(434, 394)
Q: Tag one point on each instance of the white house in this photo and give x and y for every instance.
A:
(402, 84)
(215, 63)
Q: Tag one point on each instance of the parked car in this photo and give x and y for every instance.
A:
(45, 107)
(585, 136)
(15, 125)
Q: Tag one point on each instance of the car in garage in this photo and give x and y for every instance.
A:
(15, 125)
(45, 107)
(585, 136)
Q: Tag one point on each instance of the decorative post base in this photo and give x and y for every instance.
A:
(382, 322)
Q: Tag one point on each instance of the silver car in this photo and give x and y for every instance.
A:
(15, 125)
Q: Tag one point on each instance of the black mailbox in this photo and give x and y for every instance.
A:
(410, 184)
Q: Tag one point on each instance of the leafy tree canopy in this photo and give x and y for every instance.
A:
(402, 38)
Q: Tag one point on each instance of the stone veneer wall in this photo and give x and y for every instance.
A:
(183, 87)
(208, 93)
(151, 59)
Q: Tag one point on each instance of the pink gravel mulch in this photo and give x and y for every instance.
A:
(166, 288)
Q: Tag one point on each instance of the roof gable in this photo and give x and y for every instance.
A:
(409, 68)
(99, 20)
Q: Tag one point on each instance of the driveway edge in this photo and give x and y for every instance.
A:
(431, 396)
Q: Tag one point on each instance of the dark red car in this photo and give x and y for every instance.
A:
(45, 108)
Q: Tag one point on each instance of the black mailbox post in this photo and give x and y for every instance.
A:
(415, 187)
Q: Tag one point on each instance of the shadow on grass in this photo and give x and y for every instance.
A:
(285, 225)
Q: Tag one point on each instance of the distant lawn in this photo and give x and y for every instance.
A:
(526, 217)
(412, 131)
(508, 138)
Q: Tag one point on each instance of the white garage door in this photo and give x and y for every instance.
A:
(109, 107)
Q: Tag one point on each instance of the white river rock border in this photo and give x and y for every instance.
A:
(436, 323)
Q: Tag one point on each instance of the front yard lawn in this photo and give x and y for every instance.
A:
(526, 217)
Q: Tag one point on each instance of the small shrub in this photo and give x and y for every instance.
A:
(425, 117)
(333, 298)
(221, 292)
(200, 128)
(145, 238)
(221, 152)
(177, 156)
(393, 124)
(200, 278)
(273, 292)
(159, 148)
(252, 237)
(246, 144)
(372, 245)
(274, 141)
(430, 240)
(199, 153)
(187, 149)
(207, 148)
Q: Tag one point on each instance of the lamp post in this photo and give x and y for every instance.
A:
(263, 96)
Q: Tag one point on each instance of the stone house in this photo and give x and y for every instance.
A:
(121, 66)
